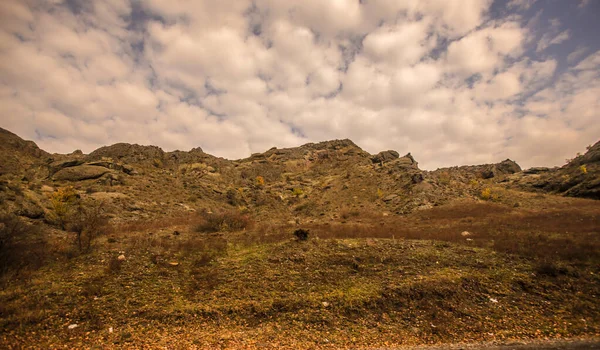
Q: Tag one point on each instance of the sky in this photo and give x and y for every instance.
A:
(454, 82)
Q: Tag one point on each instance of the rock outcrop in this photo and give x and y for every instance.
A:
(80, 172)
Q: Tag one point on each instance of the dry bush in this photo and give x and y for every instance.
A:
(21, 245)
(223, 221)
(88, 222)
(301, 234)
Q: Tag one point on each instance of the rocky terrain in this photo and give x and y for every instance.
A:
(316, 181)
(139, 239)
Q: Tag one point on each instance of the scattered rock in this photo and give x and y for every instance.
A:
(465, 233)
(73, 326)
(121, 257)
(325, 304)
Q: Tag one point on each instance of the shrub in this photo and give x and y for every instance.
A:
(260, 181)
(486, 194)
(224, 221)
(297, 192)
(379, 193)
(63, 202)
(583, 169)
(20, 244)
(301, 234)
(88, 221)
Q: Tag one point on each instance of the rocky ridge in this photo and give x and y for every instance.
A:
(317, 181)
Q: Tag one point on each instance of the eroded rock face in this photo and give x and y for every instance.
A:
(81, 172)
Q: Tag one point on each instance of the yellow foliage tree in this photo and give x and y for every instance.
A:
(63, 202)
(260, 181)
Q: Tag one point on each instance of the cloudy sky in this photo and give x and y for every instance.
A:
(451, 81)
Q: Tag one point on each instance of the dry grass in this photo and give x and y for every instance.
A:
(524, 273)
(223, 221)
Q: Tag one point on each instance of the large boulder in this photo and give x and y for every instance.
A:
(385, 156)
(81, 172)
(58, 165)
(506, 167)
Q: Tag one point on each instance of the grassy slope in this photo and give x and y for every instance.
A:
(525, 273)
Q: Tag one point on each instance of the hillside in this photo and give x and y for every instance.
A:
(138, 247)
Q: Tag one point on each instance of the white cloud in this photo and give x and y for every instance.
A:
(440, 79)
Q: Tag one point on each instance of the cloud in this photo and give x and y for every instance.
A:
(548, 40)
(521, 4)
(449, 81)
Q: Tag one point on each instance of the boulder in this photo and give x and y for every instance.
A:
(30, 209)
(58, 165)
(385, 156)
(81, 172)
(506, 167)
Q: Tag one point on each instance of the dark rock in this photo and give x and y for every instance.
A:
(62, 164)
(536, 170)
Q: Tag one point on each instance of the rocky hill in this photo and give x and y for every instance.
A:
(322, 246)
(316, 182)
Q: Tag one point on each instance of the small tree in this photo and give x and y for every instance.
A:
(88, 221)
(63, 202)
